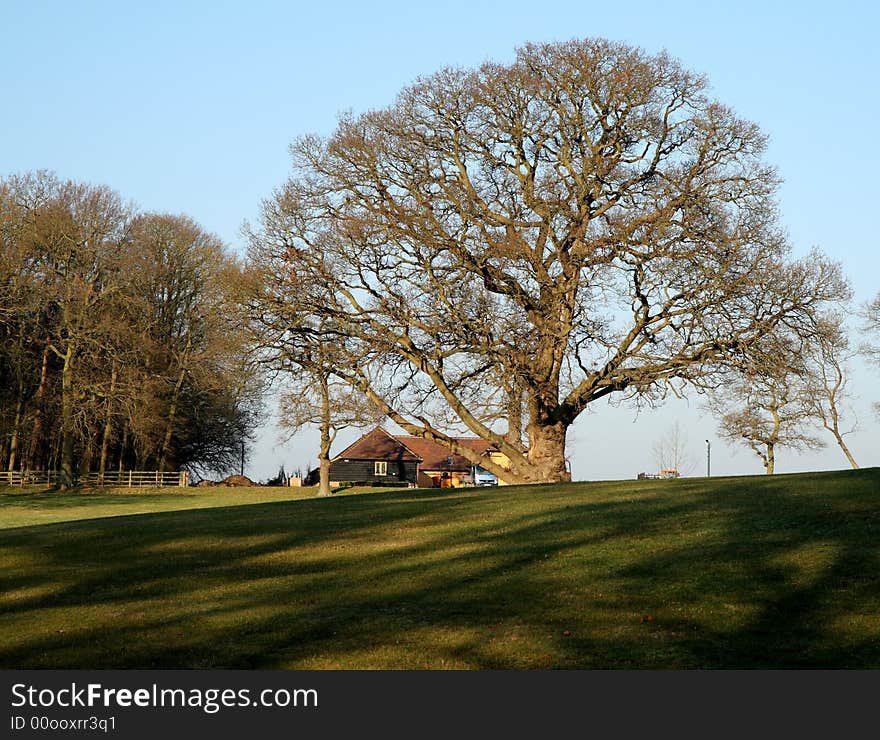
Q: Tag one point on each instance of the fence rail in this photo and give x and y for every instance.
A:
(27, 477)
(119, 478)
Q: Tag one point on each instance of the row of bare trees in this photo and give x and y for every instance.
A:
(502, 247)
(116, 344)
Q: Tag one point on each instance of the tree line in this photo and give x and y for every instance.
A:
(117, 346)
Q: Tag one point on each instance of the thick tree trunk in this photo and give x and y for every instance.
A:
(66, 474)
(770, 462)
(323, 476)
(547, 454)
(514, 432)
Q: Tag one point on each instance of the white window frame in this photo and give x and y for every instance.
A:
(380, 467)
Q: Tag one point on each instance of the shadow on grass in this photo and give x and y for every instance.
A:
(55, 500)
(739, 572)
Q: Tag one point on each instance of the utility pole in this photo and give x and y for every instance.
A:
(708, 459)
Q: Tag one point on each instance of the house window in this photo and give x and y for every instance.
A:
(380, 468)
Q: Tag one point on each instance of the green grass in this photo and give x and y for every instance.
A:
(751, 572)
(27, 505)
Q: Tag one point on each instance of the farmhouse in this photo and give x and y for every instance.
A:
(380, 457)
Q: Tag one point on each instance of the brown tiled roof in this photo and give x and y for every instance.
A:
(377, 445)
(435, 457)
(380, 445)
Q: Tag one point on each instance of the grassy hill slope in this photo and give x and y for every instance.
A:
(780, 571)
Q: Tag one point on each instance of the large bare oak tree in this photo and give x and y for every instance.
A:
(582, 222)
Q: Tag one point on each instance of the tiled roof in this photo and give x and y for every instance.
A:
(435, 457)
(377, 445)
(380, 445)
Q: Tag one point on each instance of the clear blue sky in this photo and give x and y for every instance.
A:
(190, 107)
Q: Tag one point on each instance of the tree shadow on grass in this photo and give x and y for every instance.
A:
(759, 573)
(49, 499)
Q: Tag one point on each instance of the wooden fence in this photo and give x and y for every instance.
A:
(27, 477)
(117, 478)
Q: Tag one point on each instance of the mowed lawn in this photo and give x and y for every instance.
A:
(746, 572)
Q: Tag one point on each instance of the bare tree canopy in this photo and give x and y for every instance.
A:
(827, 368)
(583, 222)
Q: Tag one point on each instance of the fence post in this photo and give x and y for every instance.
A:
(129, 479)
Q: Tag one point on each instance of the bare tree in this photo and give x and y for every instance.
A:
(318, 398)
(871, 350)
(180, 273)
(671, 451)
(827, 376)
(769, 402)
(585, 220)
(871, 315)
(306, 355)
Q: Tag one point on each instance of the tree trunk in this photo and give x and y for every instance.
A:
(122, 445)
(66, 474)
(172, 412)
(547, 453)
(323, 476)
(839, 437)
(54, 451)
(770, 462)
(85, 463)
(108, 424)
(37, 428)
(514, 414)
(16, 427)
(324, 454)
(834, 428)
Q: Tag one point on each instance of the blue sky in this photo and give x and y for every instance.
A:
(190, 107)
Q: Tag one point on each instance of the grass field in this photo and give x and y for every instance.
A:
(762, 572)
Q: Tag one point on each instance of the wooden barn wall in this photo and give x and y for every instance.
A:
(340, 470)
